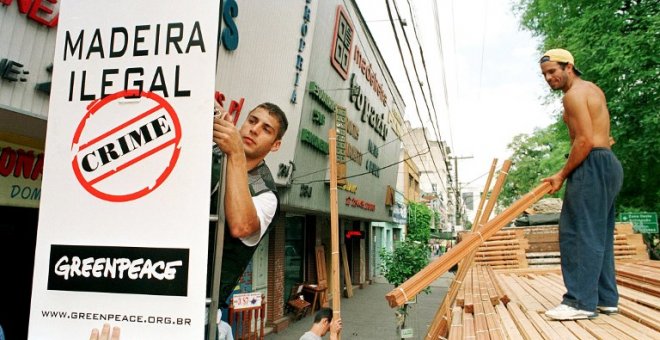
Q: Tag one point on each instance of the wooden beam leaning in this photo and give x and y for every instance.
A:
(414, 285)
(439, 326)
(334, 226)
(484, 194)
(440, 321)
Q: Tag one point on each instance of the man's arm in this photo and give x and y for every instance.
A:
(240, 213)
(579, 123)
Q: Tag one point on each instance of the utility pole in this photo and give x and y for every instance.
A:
(457, 192)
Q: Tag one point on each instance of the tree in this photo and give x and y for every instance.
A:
(615, 45)
(534, 157)
(411, 255)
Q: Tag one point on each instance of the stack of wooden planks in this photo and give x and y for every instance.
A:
(627, 244)
(510, 304)
(505, 249)
(543, 251)
(538, 247)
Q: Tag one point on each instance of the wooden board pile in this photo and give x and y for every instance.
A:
(627, 244)
(510, 304)
(543, 248)
(505, 249)
(538, 247)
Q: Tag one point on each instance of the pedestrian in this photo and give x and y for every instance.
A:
(251, 200)
(323, 323)
(593, 178)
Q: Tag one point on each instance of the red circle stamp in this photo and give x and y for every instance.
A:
(126, 145)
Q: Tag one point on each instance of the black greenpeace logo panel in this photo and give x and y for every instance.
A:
(129, 270)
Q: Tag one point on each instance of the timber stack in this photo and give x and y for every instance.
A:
(510, 304)
(538, 247)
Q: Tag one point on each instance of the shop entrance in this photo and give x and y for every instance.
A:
(18, 239)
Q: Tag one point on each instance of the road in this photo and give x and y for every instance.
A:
(368, 316)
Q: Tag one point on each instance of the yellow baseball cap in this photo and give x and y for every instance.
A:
(561, 56)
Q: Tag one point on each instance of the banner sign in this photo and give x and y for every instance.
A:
(124, 211)
(20, 175)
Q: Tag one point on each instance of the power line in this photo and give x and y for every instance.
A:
(442, 63)
(366, 172)
(426, 72)
(396, 38)
(346, 161)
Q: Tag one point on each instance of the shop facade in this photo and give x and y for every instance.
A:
(27, 42)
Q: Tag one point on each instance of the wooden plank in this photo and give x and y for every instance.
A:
(559, 328)
(524, 298)
(641, 314)
(537, 295)
(543, 326)
(468, 325)
(495, 330)
(347, 273)
(543, 254)
(508, 325)
(456, 330)
(647, 331)
(525, 326)
(544, 261)
(594, 329)
(578, 331)
(613, 331)
(480, 322)
(639, 297)
(639, 286)
(649, 263)
(624, 327)
(469, 284)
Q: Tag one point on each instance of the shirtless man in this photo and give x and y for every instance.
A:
(593, 178)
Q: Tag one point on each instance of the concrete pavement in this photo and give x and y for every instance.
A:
(367, 315)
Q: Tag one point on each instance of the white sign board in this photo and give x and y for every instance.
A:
(407, 333)
(246, 300)
(123, 224)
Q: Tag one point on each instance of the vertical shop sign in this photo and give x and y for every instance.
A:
(123, 227)
(342, 42)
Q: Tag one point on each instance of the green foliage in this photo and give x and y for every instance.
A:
(615, 45)
(535, 157)
(411, 255)
(419, 222)
(408, 258)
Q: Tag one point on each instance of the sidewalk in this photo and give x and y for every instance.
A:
(367, 315)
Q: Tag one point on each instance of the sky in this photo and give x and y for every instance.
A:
(494, 88)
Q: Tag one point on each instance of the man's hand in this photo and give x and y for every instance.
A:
(556, 181)
(105, 333)
(335, 328)
(225, 134)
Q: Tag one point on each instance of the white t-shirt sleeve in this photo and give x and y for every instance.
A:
(266, 206)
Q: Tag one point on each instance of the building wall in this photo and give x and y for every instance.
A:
(27, 44)
(308, 190)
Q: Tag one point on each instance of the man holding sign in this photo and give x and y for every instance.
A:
(250, 196)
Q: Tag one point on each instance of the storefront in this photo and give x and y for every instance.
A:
(24, 87)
